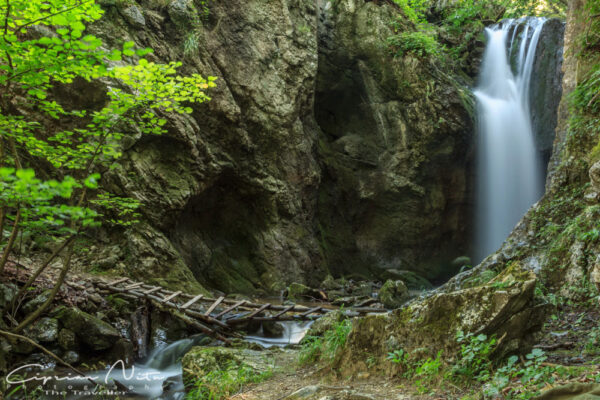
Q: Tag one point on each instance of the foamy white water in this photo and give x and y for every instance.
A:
(509, 174)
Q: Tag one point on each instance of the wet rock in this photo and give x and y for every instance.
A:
(67, 339)
(36, 302)
(298, 291)
(363, 289)
(411, 279)
(44, 330)
(93, 332)
(71, 357)
(272, 329)
(164, 328)
(5, 349)
(349, 300)
(325, 323)
(22, 347)
(133, 15)
(546, 94)
(122, 350)
(7, 293)
(393, 294)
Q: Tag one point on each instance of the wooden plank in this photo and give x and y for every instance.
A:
(192, 301)
(133, 286)
(280, 313)
(214, 305)
(233, 307)
(312, 310)
(171, 296)
(119, 281)
(258, 310)
(154, 289)
(238, 319)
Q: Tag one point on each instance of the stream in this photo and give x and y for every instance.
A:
(159, 377)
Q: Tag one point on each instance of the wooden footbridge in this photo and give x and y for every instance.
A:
(219, 317)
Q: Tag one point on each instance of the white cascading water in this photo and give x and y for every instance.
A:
(509, 174)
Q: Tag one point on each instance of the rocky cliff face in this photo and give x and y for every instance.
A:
(546, 87)
(319, 151)
(395, 148)
(552, 253)
(229, 194)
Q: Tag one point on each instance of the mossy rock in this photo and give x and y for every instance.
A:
(93, 332)
(201, 361)
(504, 307)
(393, 294)
(297, 291)
(412, 280)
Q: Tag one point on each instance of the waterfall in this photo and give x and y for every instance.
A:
(509, 173)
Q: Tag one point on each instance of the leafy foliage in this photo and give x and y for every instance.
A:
(222, 383)
(474, 359)
(417, 43)
(43, 45)
(315, 348)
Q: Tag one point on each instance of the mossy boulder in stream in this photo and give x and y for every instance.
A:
(93, 332)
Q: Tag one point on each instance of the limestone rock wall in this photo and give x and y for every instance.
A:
(395, 149)
(319, 152)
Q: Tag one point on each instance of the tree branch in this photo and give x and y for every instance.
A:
(48, 352)
(11, 240)
(41, 269)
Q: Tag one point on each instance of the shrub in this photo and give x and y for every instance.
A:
(222, 383)
(315, 348)
(419, 44)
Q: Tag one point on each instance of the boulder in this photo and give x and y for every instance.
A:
(71, 357)
(67, 340)
(5, 349)
(411, 279)
(133, 15)
(93, 332)
(297, 291)
(503, 307)
(200, 361)
(325, 323)
(393, 294)
(363, 289)
(122, 350)
(272, 329)
(7, 293)
(36, 302)
(44, 330)
(330, 284)
(183, 13)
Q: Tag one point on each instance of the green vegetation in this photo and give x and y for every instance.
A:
(43, 47)
(316, 348)
(463, 20)
(222, 383)
(416, 43)
(473, 368)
